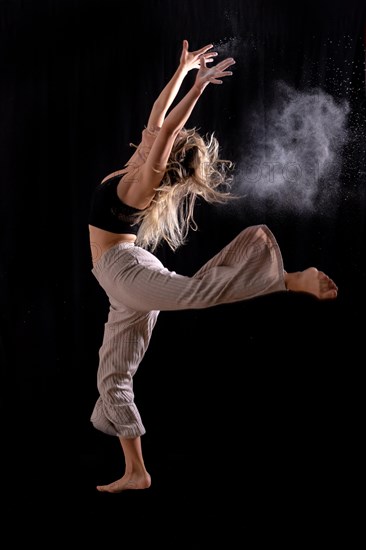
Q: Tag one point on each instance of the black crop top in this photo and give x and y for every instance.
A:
(108, 212)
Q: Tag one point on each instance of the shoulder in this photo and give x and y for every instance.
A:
(148, 136)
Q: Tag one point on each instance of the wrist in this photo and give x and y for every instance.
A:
(182, 69)
(199, 87)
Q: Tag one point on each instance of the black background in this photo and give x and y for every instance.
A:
(253, 411)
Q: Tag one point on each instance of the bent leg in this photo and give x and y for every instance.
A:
(249, 266)
(139, 286)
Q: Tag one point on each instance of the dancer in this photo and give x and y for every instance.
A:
(149, 201)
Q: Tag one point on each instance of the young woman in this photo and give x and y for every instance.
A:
(152, 200)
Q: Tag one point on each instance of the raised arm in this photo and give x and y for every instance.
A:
(155, 165)
(188, 61)
(139, 190)
(177, 118)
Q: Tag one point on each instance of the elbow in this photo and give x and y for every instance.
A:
(170, 130)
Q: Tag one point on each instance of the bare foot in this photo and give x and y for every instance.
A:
(312, 281)
(128, 481)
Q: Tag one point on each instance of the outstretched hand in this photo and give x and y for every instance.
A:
(213, 75)
(192, 60)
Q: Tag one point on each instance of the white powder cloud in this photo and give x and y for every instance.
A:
(294, 157)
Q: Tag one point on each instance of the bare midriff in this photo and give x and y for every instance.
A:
(101, 241)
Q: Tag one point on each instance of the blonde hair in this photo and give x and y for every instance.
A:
(194, 170)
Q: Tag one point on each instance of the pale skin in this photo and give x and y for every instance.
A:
(139, 192)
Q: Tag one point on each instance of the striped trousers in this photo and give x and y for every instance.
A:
(138, 287)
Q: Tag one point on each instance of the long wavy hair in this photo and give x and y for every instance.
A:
(194, 170)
